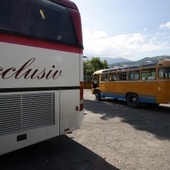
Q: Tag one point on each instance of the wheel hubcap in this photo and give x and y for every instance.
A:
(134, 100)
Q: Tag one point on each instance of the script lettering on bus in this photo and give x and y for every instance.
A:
(26, 72)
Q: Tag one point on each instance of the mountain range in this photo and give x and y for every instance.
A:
(122, 61)
(114, 60)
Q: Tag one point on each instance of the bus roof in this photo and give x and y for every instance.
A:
(66, 3)
(162, 62)
(99, 71)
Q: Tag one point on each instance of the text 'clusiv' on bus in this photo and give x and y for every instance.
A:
(41, 71)
(136, 84)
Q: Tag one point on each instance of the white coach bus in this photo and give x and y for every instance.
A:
(41, 71)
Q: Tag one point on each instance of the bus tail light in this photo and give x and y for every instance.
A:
(81, 97)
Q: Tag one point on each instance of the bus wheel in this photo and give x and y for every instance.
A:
(98, 95)
(132, 100)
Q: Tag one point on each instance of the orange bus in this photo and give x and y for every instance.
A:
(147, 83)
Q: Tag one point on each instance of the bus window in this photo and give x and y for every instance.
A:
(148, 74)
(122, 76)
(96, 77)
(45, 16)
(164, 73)
(112, 77)
(115, 77)
(5, 15)
(96, 80)
(43, 20)
(134, 75)
(104, 77)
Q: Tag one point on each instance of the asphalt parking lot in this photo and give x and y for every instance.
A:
(112, 136)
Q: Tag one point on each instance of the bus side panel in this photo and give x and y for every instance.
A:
(70, 116)
(147, 91)
(10, 141)
(163, 91)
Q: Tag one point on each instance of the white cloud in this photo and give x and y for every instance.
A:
(165, 25)
(94, 34)
(98, 43)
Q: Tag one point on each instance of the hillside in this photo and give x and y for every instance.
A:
(114, 60)
(140, 62)
(109, 59)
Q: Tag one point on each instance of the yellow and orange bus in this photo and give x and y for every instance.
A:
(149, 83)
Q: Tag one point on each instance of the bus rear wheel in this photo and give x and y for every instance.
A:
(132, 100)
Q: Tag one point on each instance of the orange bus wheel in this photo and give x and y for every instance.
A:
(132, 100)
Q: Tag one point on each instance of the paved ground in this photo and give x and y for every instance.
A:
(126, 138)
(112, 136)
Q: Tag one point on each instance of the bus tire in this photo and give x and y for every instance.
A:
(98, 95)
(132, 100)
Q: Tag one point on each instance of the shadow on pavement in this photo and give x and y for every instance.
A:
(60, 153)
(155, 119)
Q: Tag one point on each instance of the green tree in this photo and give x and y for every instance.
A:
(90, 66)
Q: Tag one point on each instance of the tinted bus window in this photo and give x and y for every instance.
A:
(5, 16)
(41, 19)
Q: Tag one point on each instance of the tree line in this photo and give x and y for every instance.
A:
(92, 65)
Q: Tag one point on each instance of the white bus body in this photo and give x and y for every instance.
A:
(40, 92)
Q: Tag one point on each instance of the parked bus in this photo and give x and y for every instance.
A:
(41, 71)
(147, 83)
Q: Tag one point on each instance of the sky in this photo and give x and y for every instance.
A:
(132, 29)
